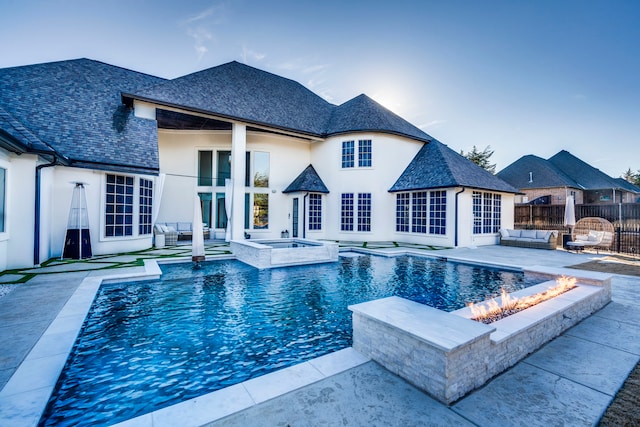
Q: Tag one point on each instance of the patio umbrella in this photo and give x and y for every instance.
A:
(569, 213)
(228, 194)
(197, 239)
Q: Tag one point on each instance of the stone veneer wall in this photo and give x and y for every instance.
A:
(446, 354)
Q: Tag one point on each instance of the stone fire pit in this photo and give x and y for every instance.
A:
(448, 355)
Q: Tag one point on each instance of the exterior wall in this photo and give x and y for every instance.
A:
(16, 242)
(558, 195)
(288, 157)
(390, 156)
(57, 192)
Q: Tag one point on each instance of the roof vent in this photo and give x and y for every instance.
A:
(530, 177)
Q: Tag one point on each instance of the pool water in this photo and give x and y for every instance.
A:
(146, 345)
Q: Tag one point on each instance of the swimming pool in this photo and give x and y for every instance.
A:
(147, 345)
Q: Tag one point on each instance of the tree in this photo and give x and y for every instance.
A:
(632, 177)
(481, 158)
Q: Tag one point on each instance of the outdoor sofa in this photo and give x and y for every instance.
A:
(537, 239)
(184, 230)
(170, 234)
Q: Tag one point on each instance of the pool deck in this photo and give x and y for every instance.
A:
(569, 381)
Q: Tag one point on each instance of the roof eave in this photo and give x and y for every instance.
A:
(126, 97)
(84, 164)
(390, 132)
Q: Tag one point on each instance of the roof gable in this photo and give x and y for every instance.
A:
(75, 107)
(535, 172)
(307, 181)
(582, 173)
(438, 166)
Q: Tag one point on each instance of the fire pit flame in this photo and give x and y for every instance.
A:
(491, 311)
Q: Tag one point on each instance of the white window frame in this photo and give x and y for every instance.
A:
(135, 212)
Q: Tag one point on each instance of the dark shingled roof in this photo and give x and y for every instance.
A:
(75, 108)
(543, 174)
(307, 181)
(582, 173)
(18, 137)
(364, 114)
(240, 92)
(626, 185)
(562, 170)
(438, 166)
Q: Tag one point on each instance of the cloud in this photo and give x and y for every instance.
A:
(250, 54)
(200, 27)
(201, 38)
(579, 97)
(311, 71)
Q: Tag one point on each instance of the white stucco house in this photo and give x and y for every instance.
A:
(285, 158)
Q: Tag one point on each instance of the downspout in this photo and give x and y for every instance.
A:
(304, 216)
(455, 239)
(36, 220)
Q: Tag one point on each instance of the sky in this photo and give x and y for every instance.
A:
(523, 77)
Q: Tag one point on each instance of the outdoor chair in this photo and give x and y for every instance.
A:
(170, 234)
(592, 232)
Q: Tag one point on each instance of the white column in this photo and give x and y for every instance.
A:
(238, 167)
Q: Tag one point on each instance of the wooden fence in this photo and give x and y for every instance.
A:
(624, 217)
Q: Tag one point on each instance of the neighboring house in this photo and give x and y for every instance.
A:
(284, 157)
(550, 181)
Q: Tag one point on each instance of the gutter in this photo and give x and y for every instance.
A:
(36, 220)
(455, 239)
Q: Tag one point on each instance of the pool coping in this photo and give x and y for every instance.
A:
(28, 390)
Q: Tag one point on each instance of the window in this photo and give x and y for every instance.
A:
(223, 167)
(487, 211)
(497, 212)
(419, 212)
(315, 211)
(348, 212)
(3, 199)
(364, 211)
(426, 211)
(348, 154)
(364, 153)
(205, 168)
(119, 206)
(260, 169)
(438, 212)
(346, 222)
(221, 211)
(145, 207)
(402, 212)
(260, 211)
(206, 202)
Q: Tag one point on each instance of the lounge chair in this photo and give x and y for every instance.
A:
(592, 232)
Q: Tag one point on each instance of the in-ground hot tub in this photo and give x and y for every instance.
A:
(270, 253)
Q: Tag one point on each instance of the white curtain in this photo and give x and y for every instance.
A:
(157, 196)
(197, 239)
(228, 194)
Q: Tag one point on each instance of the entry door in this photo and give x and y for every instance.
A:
(294, 226)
